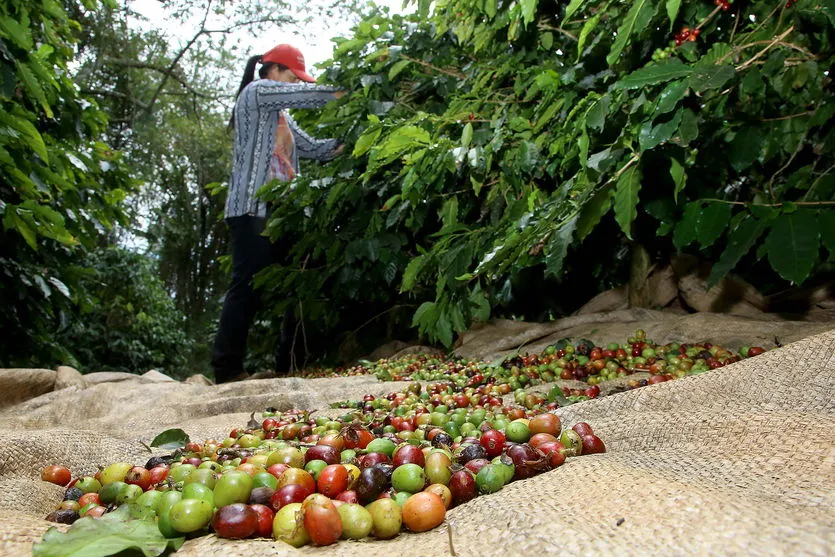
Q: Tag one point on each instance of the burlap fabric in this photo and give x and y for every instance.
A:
(734, 461)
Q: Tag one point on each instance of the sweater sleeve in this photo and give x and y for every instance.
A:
(309, 147)
(275, 95)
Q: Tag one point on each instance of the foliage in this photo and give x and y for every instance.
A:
(502, 140)
(128, 321)
(60, 187)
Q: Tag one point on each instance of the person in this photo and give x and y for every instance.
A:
(268, 146)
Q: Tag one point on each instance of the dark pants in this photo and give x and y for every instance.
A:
(251, 252)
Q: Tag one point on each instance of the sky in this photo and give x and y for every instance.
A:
(315, 40)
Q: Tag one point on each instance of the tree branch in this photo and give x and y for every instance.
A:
(451, 73)
(115, 95)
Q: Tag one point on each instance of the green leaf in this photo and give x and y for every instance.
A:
(366, 141)
(490, 8)
(652, 136)
(411, 273)
(33, 87)
(685, 231)
(827, 226)
(689, 128)
(528, 10)
(443, 330)
(402, 139)
(28, 132)
(449, 212)
(637, 18)
(711, 77)
(592, 212)
(793, 245)
(12, 221)
(626, 199)
(596, 116)
(672, 11)
(679, 177)
(111, 534)
(572, 7)
(20, 35)
(740, 241)
(479, 305)
(466, 136)
(745, 148)
(669, 97)
(171, 439)
(667, 70)
(713, 220)
(557, 247)
(829, 8)
(588, 27)
(546, 40)
(398, 67)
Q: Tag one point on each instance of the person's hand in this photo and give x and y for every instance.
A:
(339, 94)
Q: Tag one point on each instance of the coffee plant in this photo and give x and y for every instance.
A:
(500, 148)
(60, 187)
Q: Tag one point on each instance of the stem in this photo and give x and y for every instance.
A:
(798, 115)
(451, 73)
(785, 166)
(815, 183)
(547, 27)
(769, 16)
(749, 204)
(766, 49)
(710, 16)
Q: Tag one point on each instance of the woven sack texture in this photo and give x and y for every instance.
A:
(737, 461)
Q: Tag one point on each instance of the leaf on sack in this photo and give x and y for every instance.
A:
(111, 534)
(174, 438)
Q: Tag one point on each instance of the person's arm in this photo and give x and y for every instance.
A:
(274, 95)
(309, 147)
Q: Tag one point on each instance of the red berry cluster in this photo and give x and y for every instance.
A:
(687, 35)
(790, 3)
(724, 4)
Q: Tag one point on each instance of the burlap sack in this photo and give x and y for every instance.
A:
(737, 461)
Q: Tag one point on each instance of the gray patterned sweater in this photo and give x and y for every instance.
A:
(257, 115)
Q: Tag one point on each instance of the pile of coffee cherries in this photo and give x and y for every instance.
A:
(391, 462)
(579, 361)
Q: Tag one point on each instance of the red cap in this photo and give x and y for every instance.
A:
(291, 57)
